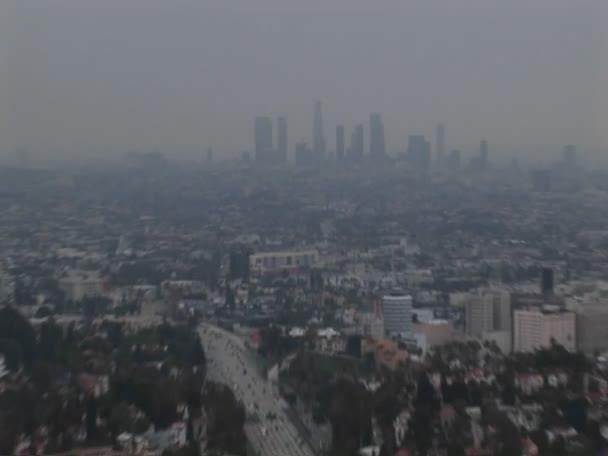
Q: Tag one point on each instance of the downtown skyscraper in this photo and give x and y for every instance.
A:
(419, 152)
(263, 140)
(282, 140)
(376, 137)
(356, 144)
(318, 142)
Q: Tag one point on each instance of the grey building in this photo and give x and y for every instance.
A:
(263, 139)
(356, 144)
(282, 140)
(397, 313)
(318, 143)
(376, 137)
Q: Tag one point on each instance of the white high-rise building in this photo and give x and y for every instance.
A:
(397, 312)
(538, 327)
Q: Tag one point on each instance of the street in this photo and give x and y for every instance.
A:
(268, 427)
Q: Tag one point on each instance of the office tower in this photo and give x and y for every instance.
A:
(397, 312)
(318, 145)
(356, 144)
(483, 153)
(263, 139)
(570, 155)
(488, 311)
(376, 137)
(340, 142)
(282, 140)
(419, 152)
(210, 155)
(546, 283)
(440, 145)
(540, 327)
(303, 156)
(592, 327)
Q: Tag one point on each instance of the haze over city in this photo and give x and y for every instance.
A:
(303, 227)
(93, 79)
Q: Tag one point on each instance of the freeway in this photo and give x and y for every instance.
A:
(268, 427)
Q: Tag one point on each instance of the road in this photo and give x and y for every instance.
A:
(268, 427)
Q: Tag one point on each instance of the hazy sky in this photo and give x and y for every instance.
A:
(95, 76)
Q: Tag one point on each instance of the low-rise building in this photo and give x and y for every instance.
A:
(436, 332)
(80, 284)
(281, 260)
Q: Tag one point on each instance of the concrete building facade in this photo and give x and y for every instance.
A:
(539, 327)
(397, 312)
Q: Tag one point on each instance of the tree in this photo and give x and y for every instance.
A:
(13, 354)
(91, 420)
(353, 346)
(14, 327)
(120, 419)
(43, 312)
(50, 343)
(95, 305)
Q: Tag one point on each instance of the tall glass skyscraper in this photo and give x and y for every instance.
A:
(263, 139)
(282, 140)
(318, 143)
(376, 137)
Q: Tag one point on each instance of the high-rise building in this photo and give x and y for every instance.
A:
(419, 152)
(440, 144)
(356, 144)
(546, 283)
(340, 142)
(210, 155)
(483, 153)
(397, 312)
(488, 311)
(263, 139)
(540, 327)
(282, 139)
(318, 144)
(376, 137)
(592, 327)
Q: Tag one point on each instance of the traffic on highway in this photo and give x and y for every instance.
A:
(268, 428)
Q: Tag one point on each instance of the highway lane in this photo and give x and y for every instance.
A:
(268, 427)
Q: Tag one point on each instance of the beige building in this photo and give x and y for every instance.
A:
(435, 332)
(537, 327)
(78, 284)
(488, 311)
(592, 329)
(288, 259)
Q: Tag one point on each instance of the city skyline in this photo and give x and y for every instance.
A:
(96, 81)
